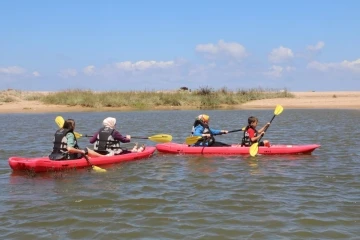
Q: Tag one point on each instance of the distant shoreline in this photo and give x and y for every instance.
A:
(302, 100)
(316, 100)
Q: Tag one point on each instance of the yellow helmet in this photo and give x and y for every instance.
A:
(203, 118)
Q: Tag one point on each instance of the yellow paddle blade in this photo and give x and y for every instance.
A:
(98, 169)
(77, 135)
(60, 121)
(95, 168)
(192, 140)
(278, 110)
(161, 138)
(254, 149)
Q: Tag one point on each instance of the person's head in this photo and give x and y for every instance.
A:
(253, 121)
(204, 118)
(69, 124)
(109, 122)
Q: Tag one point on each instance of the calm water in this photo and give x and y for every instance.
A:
(188, 197)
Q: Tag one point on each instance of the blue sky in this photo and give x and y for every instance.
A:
(156, 45)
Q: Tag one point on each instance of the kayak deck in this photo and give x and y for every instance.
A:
(44, 164)
(176, 148)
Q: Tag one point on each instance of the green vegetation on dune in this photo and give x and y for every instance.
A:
(204, 97)
(12, 95)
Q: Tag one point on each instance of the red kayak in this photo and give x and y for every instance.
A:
(44, 164)
(177, 148)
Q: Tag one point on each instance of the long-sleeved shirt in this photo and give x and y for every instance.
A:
(70, 140)
(199, 130)
(116, 135)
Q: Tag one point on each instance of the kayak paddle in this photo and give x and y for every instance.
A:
(193, 139)
(60, 122)
(161, 138)
(255, 146)
(95, 168)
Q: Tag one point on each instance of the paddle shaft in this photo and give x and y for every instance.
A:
(131, 137)
(140, 137)
(266, 128)
(236, 130)
(193, 139)
(88, 160)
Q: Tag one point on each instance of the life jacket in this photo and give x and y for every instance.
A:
(105, 142)
(60, 146)
(246, 141)
(203, 141)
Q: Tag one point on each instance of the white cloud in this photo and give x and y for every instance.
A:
(66, 73)
(277, 71)
(144, 65)
(280, 54)
(222, 48)
(13, 70)
(89, 70)
(353, 66)
(36, 74)
(319, 45)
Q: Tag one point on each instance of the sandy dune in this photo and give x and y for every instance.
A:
(328, 100)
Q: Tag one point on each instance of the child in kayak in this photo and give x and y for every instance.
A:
(251, 135)
(201, 128)
(107, 140)
(65, 144)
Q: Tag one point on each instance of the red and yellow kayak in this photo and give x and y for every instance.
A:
(44, 164)
(177, 148)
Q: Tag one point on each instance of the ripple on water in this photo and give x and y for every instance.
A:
(189, 197)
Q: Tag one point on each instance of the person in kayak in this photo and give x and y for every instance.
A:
(65, 144)
(201, 128)
(251, 135)
(107, 140)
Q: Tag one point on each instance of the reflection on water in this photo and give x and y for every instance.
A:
(188, 197)
(201, 164)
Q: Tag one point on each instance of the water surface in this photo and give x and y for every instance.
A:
(188, 197)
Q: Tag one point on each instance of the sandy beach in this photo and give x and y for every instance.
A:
(302, 100)
(307, 100)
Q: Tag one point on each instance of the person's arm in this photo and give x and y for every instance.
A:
(117, 136)
(198, 131)
(93, 138)
(217, 132)
(214, 131)
(75, 150)
(264, 127)
(252, 137)
(71, 144)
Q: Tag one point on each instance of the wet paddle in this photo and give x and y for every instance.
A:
(255, 146)
(160, 138)
(95, 168)
(193, 139)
